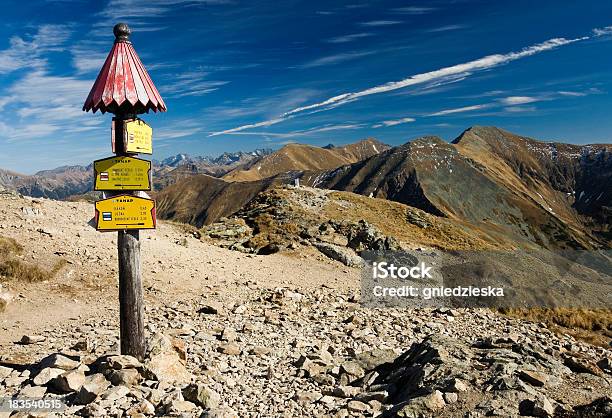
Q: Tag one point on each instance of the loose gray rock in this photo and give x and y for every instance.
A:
(32, 339)
(70, 381)
(201, 395)
(46, 375)
(93, 386)
(59, 361)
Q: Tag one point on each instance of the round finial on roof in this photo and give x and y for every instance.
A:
(122, 32)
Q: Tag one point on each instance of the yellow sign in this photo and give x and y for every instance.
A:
(138, 137)
(122, 173)
(125, 212)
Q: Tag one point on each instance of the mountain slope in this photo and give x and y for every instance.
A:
(569, 180)
(299, 157)
(58, 183)
(202, 199)
(475, 180)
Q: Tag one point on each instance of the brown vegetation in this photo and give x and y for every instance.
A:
(591, 325)
(13, 268)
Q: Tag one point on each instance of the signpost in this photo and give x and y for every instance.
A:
(124, 88)
(137, 137)
(122, 173)
(125, 212)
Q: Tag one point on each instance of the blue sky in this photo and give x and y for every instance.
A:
(239, 75)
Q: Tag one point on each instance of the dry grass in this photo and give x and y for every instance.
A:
(269, 231)
(392, 219)
(13, 268)
(9, 246)
(591, 325)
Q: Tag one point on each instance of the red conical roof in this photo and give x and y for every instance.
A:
(123, 85)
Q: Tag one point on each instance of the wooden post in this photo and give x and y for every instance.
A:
(131, 305)
(125, 89)
(131, 301)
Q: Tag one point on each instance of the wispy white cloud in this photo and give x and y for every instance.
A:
(414, 10)
(29, 53)
(446, 28)
(394, 122)
(349, 38)
(465, 69)
(263, 124)
(575, 93)
(44, 104)
(116, 9)
(459, 110)
(520, 109)
(329, 128)
(86, 60)
(519, 100)
(602, 31)
(374, 23)
(301, 132)
(572, 93)
(460, 70)
(190, 83)
(335, 59)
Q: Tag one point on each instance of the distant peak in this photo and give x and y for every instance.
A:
(481, 132)
(435, 140)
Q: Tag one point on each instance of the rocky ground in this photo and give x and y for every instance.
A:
(234, 334)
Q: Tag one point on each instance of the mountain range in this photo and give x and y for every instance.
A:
(202, 199)
(71, 181)
(300, 157)
(552, 195)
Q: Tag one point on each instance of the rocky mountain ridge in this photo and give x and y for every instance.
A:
(300, 157)
(68, 181)
(496, 179)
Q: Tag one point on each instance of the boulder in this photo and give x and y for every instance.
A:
(70, 381)
(123, 361)
(357, 407)
(201, 395)
(125, 377)
(533, 378)
(115, 392)
(59, 361)
(167, 367)
(47, 374)
(342, 254)
(538, 407)
(231, 349)
(143, 407)
(211, 308)
(94, 385)
(32, 339)
(166, 360)
(5, 372)
(32, 392)
(422, 406)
